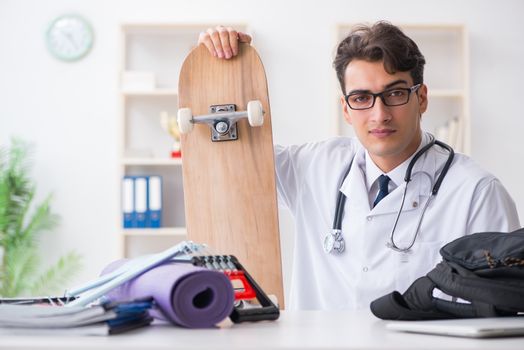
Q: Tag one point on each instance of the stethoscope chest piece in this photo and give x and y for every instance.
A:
(334, 242)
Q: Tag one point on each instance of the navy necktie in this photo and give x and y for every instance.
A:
(383, 182)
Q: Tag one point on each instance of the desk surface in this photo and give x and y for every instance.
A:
(294, 330)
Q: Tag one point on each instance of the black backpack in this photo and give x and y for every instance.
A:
(484, 269)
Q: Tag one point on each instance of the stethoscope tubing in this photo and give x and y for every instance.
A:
(341, 201)
(341, 198)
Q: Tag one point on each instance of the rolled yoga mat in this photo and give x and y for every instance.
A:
(186, 295)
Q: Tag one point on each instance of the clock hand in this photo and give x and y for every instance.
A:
(71, 39)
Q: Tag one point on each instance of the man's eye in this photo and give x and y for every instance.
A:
(395, 93)
(360, 98)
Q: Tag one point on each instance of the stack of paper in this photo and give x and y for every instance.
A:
(104, 319)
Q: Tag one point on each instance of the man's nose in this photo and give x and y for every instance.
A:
(380, 112)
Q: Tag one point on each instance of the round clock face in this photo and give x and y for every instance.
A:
(69, 37)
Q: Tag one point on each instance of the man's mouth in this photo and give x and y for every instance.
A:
(381, 132)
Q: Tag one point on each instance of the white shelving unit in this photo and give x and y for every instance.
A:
(156, 52)
(446, 49)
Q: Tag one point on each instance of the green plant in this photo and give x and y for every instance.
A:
(22, 222)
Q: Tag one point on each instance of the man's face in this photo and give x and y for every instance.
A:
(391, 134)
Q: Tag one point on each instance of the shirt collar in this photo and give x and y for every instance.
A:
(396, 175)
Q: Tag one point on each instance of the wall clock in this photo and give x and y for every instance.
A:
(69, 37)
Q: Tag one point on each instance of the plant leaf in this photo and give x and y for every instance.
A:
(21, 225)
(20, 265)
(41, 220)
(54, 280)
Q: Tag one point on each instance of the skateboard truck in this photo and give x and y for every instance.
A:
(222, 119)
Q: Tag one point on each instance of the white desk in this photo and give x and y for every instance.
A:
(294, 330)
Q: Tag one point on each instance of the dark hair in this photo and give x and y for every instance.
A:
(381, 41)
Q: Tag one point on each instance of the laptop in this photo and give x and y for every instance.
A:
(471, 327)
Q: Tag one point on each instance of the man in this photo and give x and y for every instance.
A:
(380, 71)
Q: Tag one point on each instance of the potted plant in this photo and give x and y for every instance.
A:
(22, 223)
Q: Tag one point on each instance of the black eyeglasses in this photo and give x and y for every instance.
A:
(391, 97)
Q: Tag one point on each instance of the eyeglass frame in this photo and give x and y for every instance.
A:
(410, 90)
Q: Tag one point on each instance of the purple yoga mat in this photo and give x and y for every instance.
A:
(186, 295)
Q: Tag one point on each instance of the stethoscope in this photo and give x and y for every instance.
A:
(334, 242)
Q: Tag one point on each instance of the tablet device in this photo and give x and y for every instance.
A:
(470, 327)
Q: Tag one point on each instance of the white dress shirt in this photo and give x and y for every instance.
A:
(308, 180)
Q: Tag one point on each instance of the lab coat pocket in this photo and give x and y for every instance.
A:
(422, 257)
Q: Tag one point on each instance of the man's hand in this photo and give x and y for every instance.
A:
(222, 42)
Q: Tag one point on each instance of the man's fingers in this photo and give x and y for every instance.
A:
(244, 38)
(215, 39)
(224, 40)
(205, 38)
(233, 40)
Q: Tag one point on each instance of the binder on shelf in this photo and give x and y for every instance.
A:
(141, 213)
(128, 205)
(155, 201)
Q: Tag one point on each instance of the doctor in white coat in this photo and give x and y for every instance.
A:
(380, 71)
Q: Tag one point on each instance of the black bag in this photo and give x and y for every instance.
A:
(485, 269)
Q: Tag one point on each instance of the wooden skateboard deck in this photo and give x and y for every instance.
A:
(229, 186)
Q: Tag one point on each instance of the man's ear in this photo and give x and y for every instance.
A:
(423, 98)
(345, 110)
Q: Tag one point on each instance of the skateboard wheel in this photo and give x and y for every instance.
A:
(184, 119)
(255, 113)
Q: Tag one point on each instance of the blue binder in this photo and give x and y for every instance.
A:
(141, 201)
(128, 202)
(155, 201)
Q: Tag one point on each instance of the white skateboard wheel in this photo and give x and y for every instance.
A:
(184, 118)
(255, 113)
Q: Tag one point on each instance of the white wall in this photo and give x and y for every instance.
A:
(70, 111)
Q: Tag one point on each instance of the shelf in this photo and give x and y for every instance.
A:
(163, 231)
(152, 161)
(156, 92)
(151, 57)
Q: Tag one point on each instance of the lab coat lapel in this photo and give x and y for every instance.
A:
(354, 186)
(422, 178)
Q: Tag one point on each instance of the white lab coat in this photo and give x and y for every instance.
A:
(308, 179)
